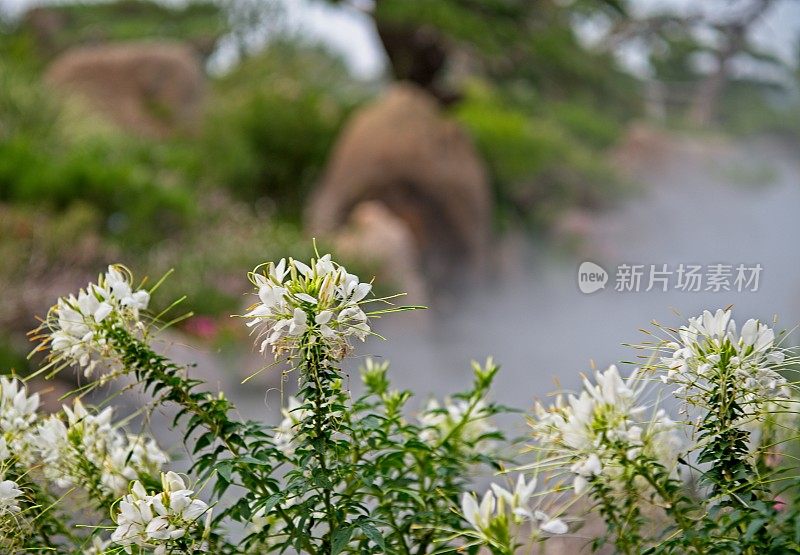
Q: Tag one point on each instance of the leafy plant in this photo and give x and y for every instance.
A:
(339, 475)
(357, 475)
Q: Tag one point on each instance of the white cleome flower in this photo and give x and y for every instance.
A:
(501, 513)
(479, 516)
(128, 459)
(321, 303)
(9, 494)
(85, 449)
(709, 346)
(592, 432)
(520, 503)
(163, 520)
(17, 419)
(520, 497)
(473, 421)
(15, 528)
(75, 326)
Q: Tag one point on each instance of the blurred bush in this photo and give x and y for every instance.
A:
(544, 156)
(273, 120)
(54, 154)
(48, 30)
(70, 181)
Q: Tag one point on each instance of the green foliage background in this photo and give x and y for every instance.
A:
(543, 109)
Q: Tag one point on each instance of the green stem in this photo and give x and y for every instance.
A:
(317, 381)
(608, 509)
(159, 372)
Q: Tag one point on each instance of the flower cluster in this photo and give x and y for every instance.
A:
(321, 301)
(472, 421)
(89, 450)
(75, 325)
(17, 419)
(710, 345)
(604, 425)
(496, 519)
(163, 521)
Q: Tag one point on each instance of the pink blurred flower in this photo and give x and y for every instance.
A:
(204, 327)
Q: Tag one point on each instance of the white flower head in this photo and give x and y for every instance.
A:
(76, 327)
(15, 523)
(18, 415)
(9, 497)
(592, 431)
(518, 500)
(501, 513)
(81, 442)
(14, 526)
(307, 304)
(128, 458)
(158, 520)
(709, 346)
(480, 516)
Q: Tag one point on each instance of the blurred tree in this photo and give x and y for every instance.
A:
(693, 55)
(732, 41)
(540, 103)
(251, 22)
(433, 44)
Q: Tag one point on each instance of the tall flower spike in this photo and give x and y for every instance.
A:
(75, 326)
(300, 303)
(709, 342)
